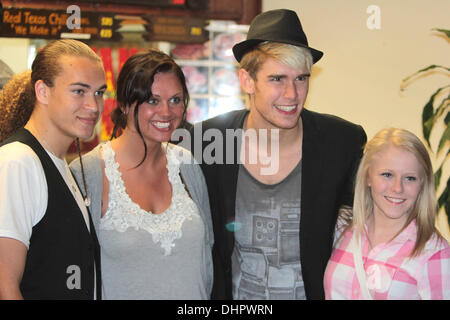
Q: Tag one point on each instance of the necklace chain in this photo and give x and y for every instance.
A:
(45, 144)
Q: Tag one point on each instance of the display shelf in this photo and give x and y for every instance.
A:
(211, 71)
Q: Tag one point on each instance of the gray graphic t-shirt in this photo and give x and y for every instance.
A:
(266, 256)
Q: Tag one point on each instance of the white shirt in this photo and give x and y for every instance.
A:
(23, 190)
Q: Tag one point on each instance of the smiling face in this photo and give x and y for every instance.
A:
(75, 101)
(163, 112)
(395, 180)
(277, 95)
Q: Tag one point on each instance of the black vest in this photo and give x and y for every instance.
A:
(62, 252)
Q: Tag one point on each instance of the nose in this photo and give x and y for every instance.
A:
(94, 103)
(164, 109)
(290, 90)
(397, 186)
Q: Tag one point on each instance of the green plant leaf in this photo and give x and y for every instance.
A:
(428, 120)
(430, 67)
(444, 200)
(447, 32)
(428, 116)
(437, 177)
(445, 137)
(444, 104)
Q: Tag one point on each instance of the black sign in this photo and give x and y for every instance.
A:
(183, 4)
(175, 29)
(55, 24)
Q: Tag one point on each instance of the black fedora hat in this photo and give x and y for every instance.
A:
(280, 25)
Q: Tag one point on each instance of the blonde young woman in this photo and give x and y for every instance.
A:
(390, 249)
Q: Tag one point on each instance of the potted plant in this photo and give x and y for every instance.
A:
(435, 111)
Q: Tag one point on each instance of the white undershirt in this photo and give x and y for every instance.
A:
(63, 168)
(24, 192)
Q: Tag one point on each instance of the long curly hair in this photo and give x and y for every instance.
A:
(16, 104)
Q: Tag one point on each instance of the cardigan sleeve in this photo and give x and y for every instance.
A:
(196, 185)
(94, 181)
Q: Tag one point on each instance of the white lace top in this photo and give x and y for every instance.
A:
(122, 213)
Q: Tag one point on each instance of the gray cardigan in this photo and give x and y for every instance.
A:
(192, 177)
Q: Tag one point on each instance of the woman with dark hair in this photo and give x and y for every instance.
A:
(149, 200)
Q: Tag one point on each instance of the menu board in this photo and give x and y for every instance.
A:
(182, 4)
(175, 29)
(55, 24)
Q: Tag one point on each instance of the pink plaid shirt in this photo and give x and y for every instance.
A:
(390, 273)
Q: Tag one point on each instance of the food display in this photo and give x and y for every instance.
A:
(225, 81)
(212, 72)
(196, 78)
(193, 51)
(197, 110)
(222, 105)
(223, 44)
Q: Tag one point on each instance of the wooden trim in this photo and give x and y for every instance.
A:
(240, 11)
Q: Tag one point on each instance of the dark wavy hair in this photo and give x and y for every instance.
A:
(134, 86)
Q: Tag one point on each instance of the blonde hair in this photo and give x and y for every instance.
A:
(293, 56)
(16, 104)
(424, 208)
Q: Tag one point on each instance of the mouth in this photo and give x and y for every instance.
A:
(88, 121)
(286, 109)
(395, 200)
(161, 125)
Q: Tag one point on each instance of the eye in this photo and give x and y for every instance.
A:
(386, 174)
(78, 91)
(411, 178)
(303, 77)
(175, 100)
(275, 78)
(153, 101)
(99, 93)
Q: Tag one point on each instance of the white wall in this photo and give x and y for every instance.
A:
(359, 76)
(14, 52)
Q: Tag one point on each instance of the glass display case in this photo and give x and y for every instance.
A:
(211, 71)
(210, 68)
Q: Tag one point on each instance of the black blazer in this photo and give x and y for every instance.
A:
(332, 148)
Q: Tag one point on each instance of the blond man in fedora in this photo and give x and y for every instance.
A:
(274, 229)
